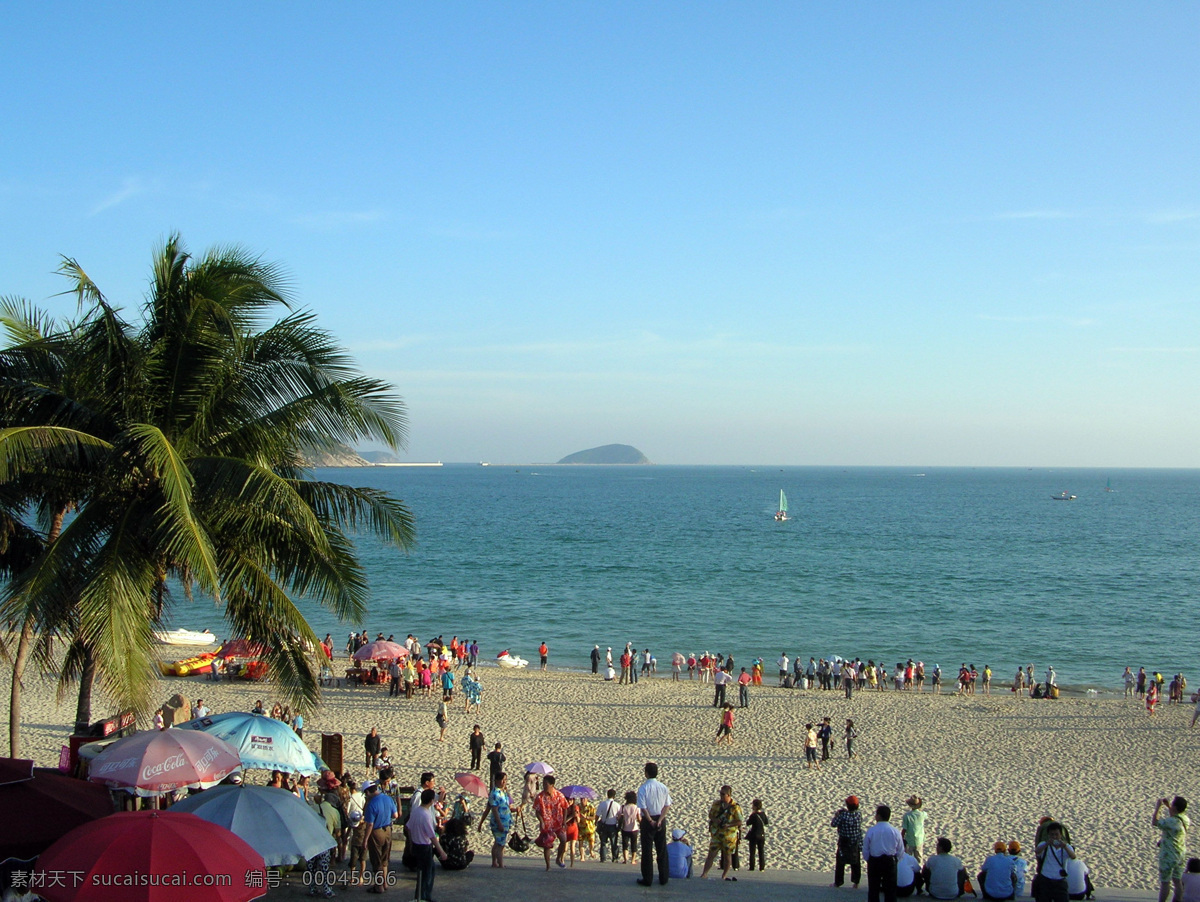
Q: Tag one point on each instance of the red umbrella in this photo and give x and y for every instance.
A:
(472, 784)
(50, 804)
(156, 761)
(381, 650)
(140, 856)
(240, 648)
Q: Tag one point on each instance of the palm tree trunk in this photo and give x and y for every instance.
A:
(83, 708)
(14, 697)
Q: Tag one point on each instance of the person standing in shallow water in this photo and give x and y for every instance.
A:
(544, 651)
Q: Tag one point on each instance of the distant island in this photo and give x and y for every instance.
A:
(607, 454)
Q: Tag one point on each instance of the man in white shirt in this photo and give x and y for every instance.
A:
(908, 875)
(653, 801)
(1079, 885)
(606, 822)
(720, 679)
(783, 666)
(199, 709)
(882, 847)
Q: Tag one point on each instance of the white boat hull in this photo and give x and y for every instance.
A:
(184, 637)
(511, 662)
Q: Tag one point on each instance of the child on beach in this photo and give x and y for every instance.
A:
(1152, 697)
(756, 835)
(725, 730)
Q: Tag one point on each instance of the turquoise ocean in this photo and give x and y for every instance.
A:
(941, 565)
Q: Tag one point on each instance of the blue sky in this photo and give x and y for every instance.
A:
(757, 233)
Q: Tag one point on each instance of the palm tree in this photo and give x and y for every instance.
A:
(198, 417)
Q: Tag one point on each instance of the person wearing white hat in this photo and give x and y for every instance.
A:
(679, 855)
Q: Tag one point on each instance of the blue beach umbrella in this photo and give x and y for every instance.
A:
(262, 742)
(276, 824)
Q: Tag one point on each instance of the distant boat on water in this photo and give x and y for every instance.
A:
(781, 514)
(1108, 486)
(1062, 496)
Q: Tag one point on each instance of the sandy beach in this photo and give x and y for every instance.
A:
(987, 767)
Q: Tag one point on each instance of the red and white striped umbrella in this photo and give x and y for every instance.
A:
(156, 762)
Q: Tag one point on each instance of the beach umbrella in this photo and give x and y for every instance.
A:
(472, 784)
(263, 742)
(275, 823)
(150, 856)
(579, 792)
(381, 650)
(50, 803)
(539, 767)
(160, 761)
(240, 648)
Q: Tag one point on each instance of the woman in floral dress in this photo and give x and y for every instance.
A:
(498, 816)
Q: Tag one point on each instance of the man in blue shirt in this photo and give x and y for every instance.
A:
(379, 813)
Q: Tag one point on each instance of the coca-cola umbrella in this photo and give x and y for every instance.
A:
(50, 804)
(381, 650)
(150, 856)
(159, 761)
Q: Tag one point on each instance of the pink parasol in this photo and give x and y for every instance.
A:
(150, 856)
(155, 762)
(472, 784)
(381, 650)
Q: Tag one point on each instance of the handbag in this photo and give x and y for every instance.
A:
(519, 842)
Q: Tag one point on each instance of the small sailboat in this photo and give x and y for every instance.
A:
(1108, 486)
(781, 514)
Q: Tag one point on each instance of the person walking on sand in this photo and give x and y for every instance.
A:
(810, 747)
(498, 816)
(724, 828)
(882, 847)
(848, 822)
(851, 735)
(550, 807)
(1172, 846)
(725, 730)
(544, 651)
(475, 743)
(653, 801)
(443, 718)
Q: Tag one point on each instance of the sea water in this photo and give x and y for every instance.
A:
(945, 566)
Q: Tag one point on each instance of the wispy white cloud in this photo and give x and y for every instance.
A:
(1038, 318)
(335, 220)
(130, 187)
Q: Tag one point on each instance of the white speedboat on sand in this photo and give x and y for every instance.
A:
(184, 637)
(504, 659)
